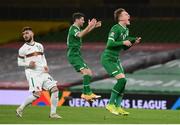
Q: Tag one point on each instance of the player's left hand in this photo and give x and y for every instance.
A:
(46, 69)
(98, 24)
(138, 40)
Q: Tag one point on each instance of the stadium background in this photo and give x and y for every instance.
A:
(152, 67)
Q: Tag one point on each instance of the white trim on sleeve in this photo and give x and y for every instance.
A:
(111, 39)
(76, 33)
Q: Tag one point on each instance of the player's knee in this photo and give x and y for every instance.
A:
(120, 76)
(86, 72)
(37, 94)
(83, 71)
(54, 89)
(89, 72)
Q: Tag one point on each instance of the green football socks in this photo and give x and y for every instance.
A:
(86, 86)
(118, 88)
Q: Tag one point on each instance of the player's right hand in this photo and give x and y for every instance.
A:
(32, 64)
(138, 40)
(92, 23)
(127, 43)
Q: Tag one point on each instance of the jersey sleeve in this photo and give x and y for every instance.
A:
(43, 56)
(21, 53)
(21, 58)
(112, 38)
(113, 35)
(42, 48)
(131, 39)
(74, 31)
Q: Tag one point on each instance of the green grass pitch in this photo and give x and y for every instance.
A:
(86, 115)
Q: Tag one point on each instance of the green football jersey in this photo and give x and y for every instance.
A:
(117, 35)
(73, 41)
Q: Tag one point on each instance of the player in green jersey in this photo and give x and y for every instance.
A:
(118, 40)
(74, 56)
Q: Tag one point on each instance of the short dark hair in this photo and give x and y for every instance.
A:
(26, 28)
(117, 12)
(77, 15)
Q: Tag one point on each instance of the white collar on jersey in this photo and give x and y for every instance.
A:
(31, 44)
(76, 26)
(122, 26)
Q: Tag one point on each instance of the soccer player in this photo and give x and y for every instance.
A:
(118, 40)
(31, 56)
(74, 56)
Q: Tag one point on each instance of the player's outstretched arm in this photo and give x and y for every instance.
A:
(90, 27)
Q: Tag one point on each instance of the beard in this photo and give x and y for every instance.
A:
(28, 40)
